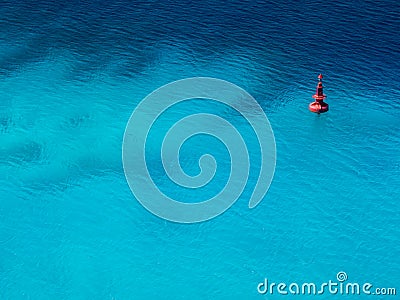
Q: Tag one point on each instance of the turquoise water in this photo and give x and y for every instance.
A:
(71, 75)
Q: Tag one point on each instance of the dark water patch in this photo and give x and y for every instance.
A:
(30, 152)
(77, 121)
(6, 123)
(22, 55)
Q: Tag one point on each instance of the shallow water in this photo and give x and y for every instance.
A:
(70, 76)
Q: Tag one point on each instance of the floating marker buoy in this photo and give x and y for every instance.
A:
(319, 106)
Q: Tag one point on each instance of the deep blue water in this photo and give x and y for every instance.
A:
(71, 75)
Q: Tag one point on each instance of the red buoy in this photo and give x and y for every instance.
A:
(319, 106)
